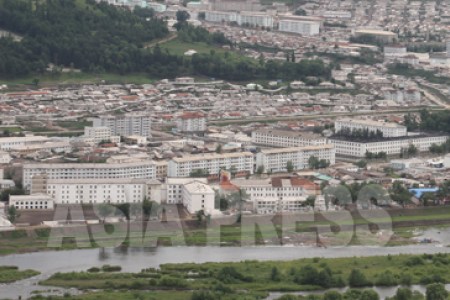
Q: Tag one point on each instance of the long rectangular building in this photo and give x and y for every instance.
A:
(388, 129)
(276, 160)
(210, 163)
(286, 138)
(300, 25)
(126, 125)
(390, 146)
(134, 170)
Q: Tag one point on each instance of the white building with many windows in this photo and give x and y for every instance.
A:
(32, 202)
(303, 26)
(286, 138)
(198, 196)
(126, 125)
(97, 191)
(210, 163)
(390, 146)
(388, 129)
(174, 189)
(134, 170)
(277, 194)
(99, 134)
(191, 122)
(260, 19)
(8, 143)
(276, 160)
(221, 16)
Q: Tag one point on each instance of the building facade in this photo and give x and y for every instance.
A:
(99, 134)
(32, 202)
(135, 170)
(210, 163)
(126, 125)
(389, 146)
(299, 25)
(276, 160)
(191, 122)
(388, 129)
(286, 138)
(198, 196)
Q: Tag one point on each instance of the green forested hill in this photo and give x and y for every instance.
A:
(99, 38)
(79, 33)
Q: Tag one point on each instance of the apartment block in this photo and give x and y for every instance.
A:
(388, 129)
(211, 163)
(286, 138)
(126, 125)
(299, 25)
(276, 160)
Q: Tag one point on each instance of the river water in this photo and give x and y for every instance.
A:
(135, 259)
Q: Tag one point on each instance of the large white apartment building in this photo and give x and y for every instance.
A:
(97, 191)
(7, 143)
(126, 125)
(286, 138)
(305, 27)
(212, 163)
(389, 146)
(174, 189)
(191, 122)
(221, 16)
(260, 19)
(277, 194)
(99, 134)
(198, 196)
(276, 160)
(388, 129)
(141, 169)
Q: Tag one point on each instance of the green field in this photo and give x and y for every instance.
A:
(11, 273)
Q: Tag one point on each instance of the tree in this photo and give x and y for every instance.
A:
(35, 81)
(361, 164)
(13, 214)
(358, 279)
(310, 201)
(290, 166)
(436, 291)
(332, 295)
(219, 148)
(104, 210)
(313, 162)
(403, 294)
(275, 274)
(260, 170)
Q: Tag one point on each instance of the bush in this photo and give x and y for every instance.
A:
(93, 270)
(358, 279)
(386, 279)
(414, 261)
(108, 268)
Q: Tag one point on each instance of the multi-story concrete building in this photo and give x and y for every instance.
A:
(198, 196)
(380, 35)
(236, 5)
(276, 160)
(394, 50)
(337, 14)
(126, 125)
(97, 191)
(174, 189)
(32, 202)
(390, 146)
(221, 16)
(99, 134)
(388, 129)
(277, 194)
(7, 143)
(252, 18)
(191, 122)
(210, 163)
(300, 25)
(286, 138)
(135, 170)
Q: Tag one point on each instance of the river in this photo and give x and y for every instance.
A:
(135, 259)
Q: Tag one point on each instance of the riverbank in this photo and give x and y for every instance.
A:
(393, 228)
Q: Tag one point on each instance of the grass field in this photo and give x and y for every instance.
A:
(11, 273)
(178, 47)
